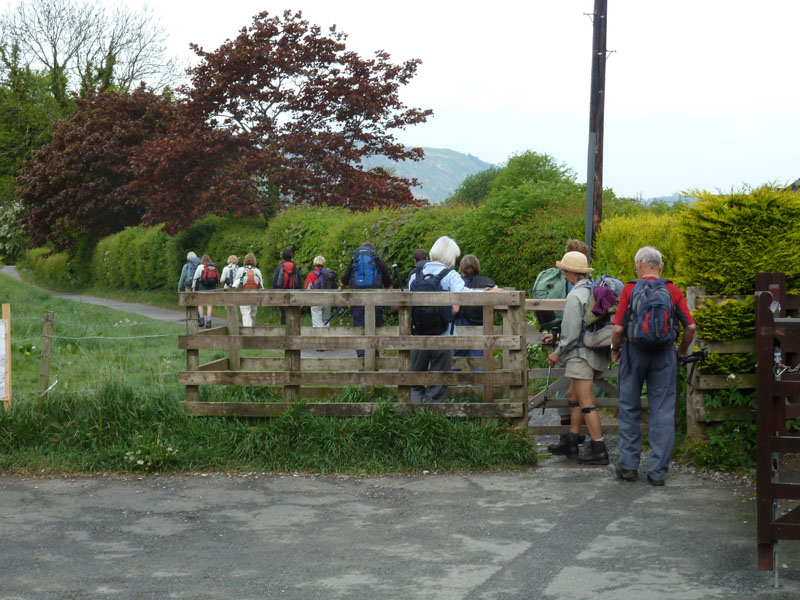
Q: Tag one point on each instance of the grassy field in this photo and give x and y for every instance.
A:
(116, 408)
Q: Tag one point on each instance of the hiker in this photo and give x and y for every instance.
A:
(206, 279)
(583, 364)
(286, 277)
(572, 245)
(438, 275)
(470, 269)
(321, 278)
(229, 271)
(651, 310)
(366, 271)
(248, 277)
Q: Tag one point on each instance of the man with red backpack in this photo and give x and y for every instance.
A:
(286, 277)
(646, 326)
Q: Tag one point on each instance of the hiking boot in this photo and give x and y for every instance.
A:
(200, 321)
(568, 445)
(208, 323)
(653, 481)
(595, 455)
(626, 474)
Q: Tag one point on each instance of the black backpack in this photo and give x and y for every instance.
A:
(474, 314)
(430, 320)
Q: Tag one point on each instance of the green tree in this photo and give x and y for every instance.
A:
(534, 167)
(475, 188)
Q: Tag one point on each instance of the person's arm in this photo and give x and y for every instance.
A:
(386, 276)
(198, 272)
(571, 323)
(259, 278)
(237, 278)
(185, 268)
(346, 277)
(684, 315)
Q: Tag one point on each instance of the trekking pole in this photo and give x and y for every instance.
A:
(398, 283)
(543, 404)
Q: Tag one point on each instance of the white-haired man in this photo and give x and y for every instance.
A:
(646, 326)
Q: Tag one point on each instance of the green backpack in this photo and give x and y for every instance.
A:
(550, 283)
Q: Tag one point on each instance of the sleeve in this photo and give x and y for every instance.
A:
(347, 274)
(309, 282)
(386, 276)
(259, 278)
(682, 312)
(237, 277)
(453, 282)
(275, 278)
(198, 272)
(572, 323)
(624, 299)
(183, 276)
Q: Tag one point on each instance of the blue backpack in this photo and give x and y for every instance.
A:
(430, 320)
(365, 269)
(651, 314)
(192, 264)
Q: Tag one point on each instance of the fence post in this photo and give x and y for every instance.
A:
(488, 353)
(234, 361)
(47, 345)
(518, 358)
(192, 356)
(694, 396)
(404, 329)
(370, 364)
(5, 352)
(291, 393)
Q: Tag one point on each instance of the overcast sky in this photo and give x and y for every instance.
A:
(699, 93)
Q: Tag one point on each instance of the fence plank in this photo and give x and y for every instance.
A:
(726, 382)
(506, 410)
(354, 342)
(297, 378)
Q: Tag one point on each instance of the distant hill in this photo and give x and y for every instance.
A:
(440, 172)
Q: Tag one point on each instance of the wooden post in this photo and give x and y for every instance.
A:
(47, 348)
(404, 320)
(517, 358)
(488, 353)
(234, 361)
(291, 393)
(5, 357)
(695, 428)
(192, 356)
(369, 353)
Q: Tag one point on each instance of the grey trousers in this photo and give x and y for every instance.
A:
(659, 369)
(430, 360)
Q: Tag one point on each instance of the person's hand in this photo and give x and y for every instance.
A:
(547, 339)
(552, 359)
(616, 355)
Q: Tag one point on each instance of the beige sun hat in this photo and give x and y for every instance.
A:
(574, 262)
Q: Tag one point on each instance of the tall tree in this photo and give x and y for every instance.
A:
(83, 46)
(77, 186)
(304, 110)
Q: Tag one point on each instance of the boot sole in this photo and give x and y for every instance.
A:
(593, 462)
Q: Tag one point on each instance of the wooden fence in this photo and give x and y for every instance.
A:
(281, 362)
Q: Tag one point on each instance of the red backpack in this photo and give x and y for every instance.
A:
(288, 277)
(210, 276)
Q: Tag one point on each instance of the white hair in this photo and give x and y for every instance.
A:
(649, 256)
(190, 254)
(319, 261)
(445, 250)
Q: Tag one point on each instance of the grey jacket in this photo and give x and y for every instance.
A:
(571, 326)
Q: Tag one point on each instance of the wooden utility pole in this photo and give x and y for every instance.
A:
(594, 170)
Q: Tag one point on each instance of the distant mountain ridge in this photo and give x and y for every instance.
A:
(439, 173)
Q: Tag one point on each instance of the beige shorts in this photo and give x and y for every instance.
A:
(578, 368)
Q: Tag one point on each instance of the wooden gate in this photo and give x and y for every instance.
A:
(283, 364)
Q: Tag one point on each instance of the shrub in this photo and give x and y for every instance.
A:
(734, 236)
(50, 270)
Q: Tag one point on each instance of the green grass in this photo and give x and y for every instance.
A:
(117, 403)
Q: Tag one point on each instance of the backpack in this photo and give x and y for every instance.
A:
(230, 274)
(288, 276)
(210, 276)
(550, 283)
(651, 314)
(430, 320)
(189, 278)
(474, 314)
(326, 280)
(365, 269)
(600, 308)
(249, 279)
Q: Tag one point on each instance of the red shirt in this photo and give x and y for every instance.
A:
(312, 277)
(682, 312)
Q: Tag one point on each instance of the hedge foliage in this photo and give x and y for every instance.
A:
(732, 237)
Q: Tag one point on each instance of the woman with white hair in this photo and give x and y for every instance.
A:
(320, 315)
(443, 253)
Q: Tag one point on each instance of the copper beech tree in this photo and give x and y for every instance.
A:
(280, 115)
(77, 186)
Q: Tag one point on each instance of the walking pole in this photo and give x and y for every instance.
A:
(556, 331)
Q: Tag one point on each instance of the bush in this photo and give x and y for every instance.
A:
(736, 235)
(53, 271)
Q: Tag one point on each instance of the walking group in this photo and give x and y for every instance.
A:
(636, 325)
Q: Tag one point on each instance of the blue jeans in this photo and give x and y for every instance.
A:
(659, 368)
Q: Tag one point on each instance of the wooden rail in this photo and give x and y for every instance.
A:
(282, 362)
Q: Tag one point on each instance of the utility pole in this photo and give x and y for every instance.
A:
(594, 169)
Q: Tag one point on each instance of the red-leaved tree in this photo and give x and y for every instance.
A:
(291, 112)
(78, 185)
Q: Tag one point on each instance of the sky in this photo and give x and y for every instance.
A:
(700, 94)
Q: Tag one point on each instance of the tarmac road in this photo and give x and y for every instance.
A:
(555, 532)
(559, 531)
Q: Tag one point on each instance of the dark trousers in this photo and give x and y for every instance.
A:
(358, 321)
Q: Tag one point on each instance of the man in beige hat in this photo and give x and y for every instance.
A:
(583, 364)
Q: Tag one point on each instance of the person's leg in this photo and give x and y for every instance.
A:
(419, 362)
(661, 382)
(358, 321)
(316, 317)
(245, 310)
(583, 392)
(632, 370)
(441, 360)
(326, 316)
(208, 316)
(569, 442)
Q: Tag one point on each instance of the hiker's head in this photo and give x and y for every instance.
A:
(190, 254)
(232, 260)
(206, 259)
(319, 261)
(250, 259)
(420, 254)
(575, 266)
(574, 245)
(446, 251)
(648, 262)
(470, 265)
(287, 254)
(369, 245)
